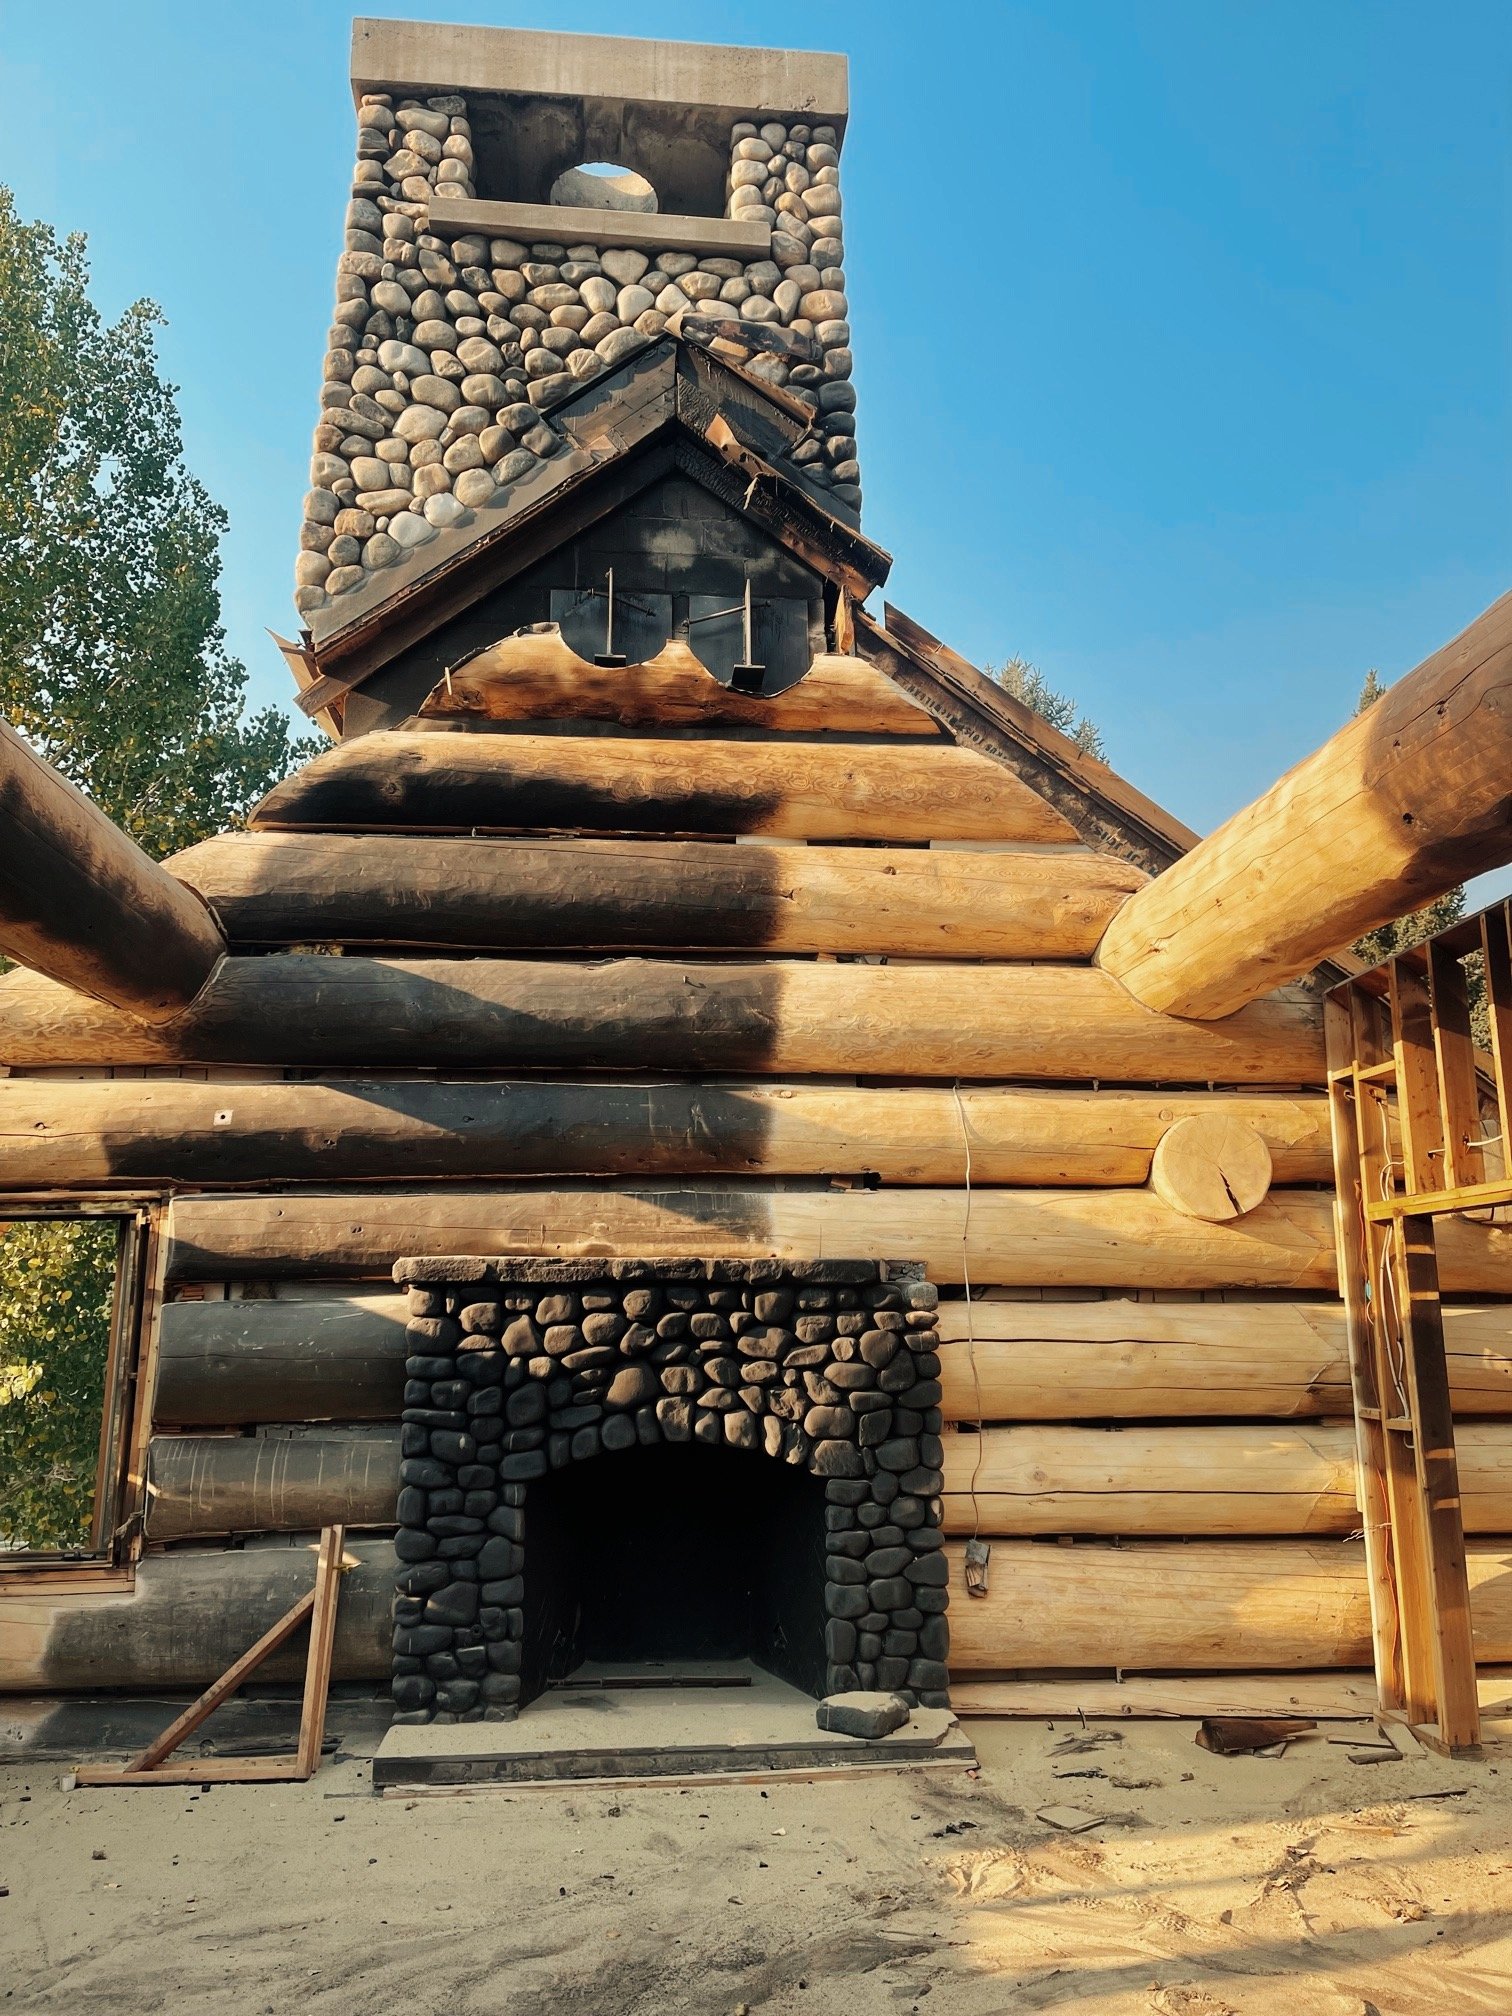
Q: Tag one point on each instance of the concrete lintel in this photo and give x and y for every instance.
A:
(421, 57)
(533, 223)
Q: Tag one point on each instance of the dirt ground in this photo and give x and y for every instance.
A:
(1296, 1886)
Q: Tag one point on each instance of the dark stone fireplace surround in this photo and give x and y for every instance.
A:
(520, 1367)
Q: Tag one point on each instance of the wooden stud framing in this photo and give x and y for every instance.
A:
(1400, 1046)
(318, 1605)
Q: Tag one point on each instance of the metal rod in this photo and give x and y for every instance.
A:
(609, 632)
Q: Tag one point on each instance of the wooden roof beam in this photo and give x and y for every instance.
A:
(1404, 802)
(82, 904)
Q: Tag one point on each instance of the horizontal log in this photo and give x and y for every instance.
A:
(397, 780)
(768, 1017)
(1040, 1238)
(205, 1485)
(1193, 1479)
(81, 902)
(1207, 1605)
(1196, 1479)
(220, 1364)
(1232, 1606)
(127, 1130)
(1408, 799)
(1028, 1238)
(539, 677)
(1052, 1361)
(185, 1616)
(645, 895)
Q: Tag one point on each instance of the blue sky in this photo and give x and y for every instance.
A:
(1181, 329)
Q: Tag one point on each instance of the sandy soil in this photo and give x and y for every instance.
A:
(1298, 1886)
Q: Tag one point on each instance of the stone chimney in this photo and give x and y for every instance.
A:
(491, 267)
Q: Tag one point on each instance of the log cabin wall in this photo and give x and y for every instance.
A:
(567, 958)
(1146, 1413)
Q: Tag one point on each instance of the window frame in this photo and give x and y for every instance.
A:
(120, 1494)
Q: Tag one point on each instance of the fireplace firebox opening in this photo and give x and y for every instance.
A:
(675, 1553)
(628, 1460)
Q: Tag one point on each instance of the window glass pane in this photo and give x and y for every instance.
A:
(57, 1284)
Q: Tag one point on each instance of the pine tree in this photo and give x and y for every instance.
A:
(1026, 683)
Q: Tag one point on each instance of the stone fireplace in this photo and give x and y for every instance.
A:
(624, 1460)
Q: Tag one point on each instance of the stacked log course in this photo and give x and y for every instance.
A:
(588, 992)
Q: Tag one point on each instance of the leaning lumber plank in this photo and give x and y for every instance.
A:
(1327, 1697)
(163, 1745)
(1112, 1238)
(1121, 1359)
(207, 1485)
(187, 1615)
(771, 1017)
(130, 1130)
(224, 1363)
(1404, 802)
(1204, 1605)
(396, 780)
(539, 677)
(1203, 1478)
(374, 889)
(82, 903)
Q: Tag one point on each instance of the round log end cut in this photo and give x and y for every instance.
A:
(1211, 1167)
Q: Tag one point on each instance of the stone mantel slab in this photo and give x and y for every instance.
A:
(639, 71)
(642, 230)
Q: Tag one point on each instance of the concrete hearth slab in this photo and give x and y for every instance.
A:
(612, 1732)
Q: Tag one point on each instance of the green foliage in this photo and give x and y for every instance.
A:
(112, 657)
(1026, 683)
(1402, 933)
(57, 1281)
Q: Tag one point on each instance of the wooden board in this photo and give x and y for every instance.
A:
(81, 902)
(278, 889)
(397, 780)
(771, 1017)
(1408, 799)
(1060, 1361)
(540, 677)
(220, 1135)
(223, 1363)
(1114, 1238)
(1327, 1697)
(207, 1485)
